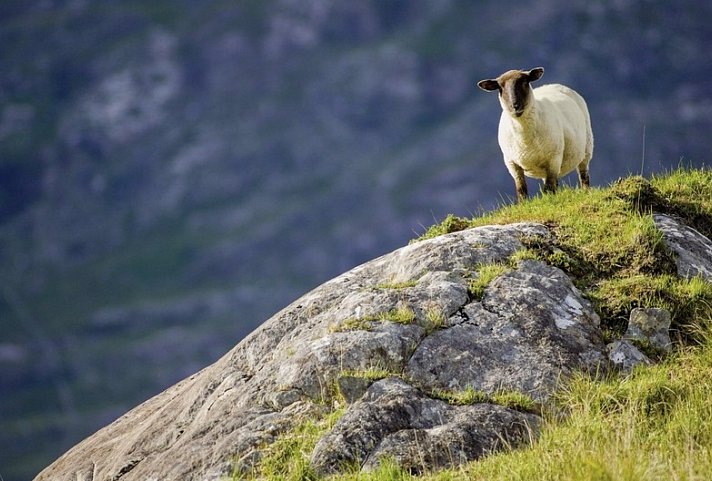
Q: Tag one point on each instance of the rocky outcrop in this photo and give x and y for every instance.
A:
(395, 342)
(693, 250)
(409, 315)
(397, 421)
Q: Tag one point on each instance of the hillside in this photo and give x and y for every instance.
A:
(487, 335)
(174, 172)
(652, 424)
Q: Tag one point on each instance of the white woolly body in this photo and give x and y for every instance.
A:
(552, 135)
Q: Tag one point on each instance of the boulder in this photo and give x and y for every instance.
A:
(407, 315)
(397, 421)
(531, 327)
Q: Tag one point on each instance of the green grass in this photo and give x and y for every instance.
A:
(436, 319)
(655, 425)
(287, 459)
(371, 374)
(397, 285)
(399, 315)
(485, 274)
(510, 399)
(687, 300)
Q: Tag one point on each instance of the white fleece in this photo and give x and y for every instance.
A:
(552, 135)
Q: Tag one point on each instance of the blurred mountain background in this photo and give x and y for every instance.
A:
(174, 172)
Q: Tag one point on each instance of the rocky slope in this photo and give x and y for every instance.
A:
(411, 316)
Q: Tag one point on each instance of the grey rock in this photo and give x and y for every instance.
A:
(625, 356)
(531, 329)
(532, 326)
(394, 420)
(651, 325)
(472, 432)
(694, 251)
(352, 388)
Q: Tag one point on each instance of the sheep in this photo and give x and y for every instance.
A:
(544, 133)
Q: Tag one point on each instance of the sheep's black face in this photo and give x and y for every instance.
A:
(514, 89)
(515, 95)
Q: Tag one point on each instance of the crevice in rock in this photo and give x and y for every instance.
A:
(414, 349)
(126, 469)
(491, 310)
(461, 314)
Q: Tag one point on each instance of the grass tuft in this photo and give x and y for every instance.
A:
(436, 319)
(397, 285)
(688, 300)
(287, 459)
(370, 374)
(509, 399)
(399, 315)
(450, 224)
(485, 274)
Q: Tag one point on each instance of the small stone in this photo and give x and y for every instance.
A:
(625, 356)
(651, 325)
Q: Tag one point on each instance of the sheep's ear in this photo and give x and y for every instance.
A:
(535, 73)
(488, 85)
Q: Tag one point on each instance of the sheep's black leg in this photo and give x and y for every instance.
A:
(583, 176)
(551, 183)
(520, 182)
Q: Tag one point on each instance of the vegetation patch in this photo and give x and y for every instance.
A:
(509, 399)
(451, 223)
(683, 193)
(352, 324)
(654, 425)
(287, 459)
(688, 300)
(436, 319)
(399, 315)
(607, 241)
(525, 254)
(370, 374)
(397, 285)
(460, 398)
(484, 275)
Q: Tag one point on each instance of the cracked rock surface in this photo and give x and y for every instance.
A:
(397, 421)
(530, 330)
